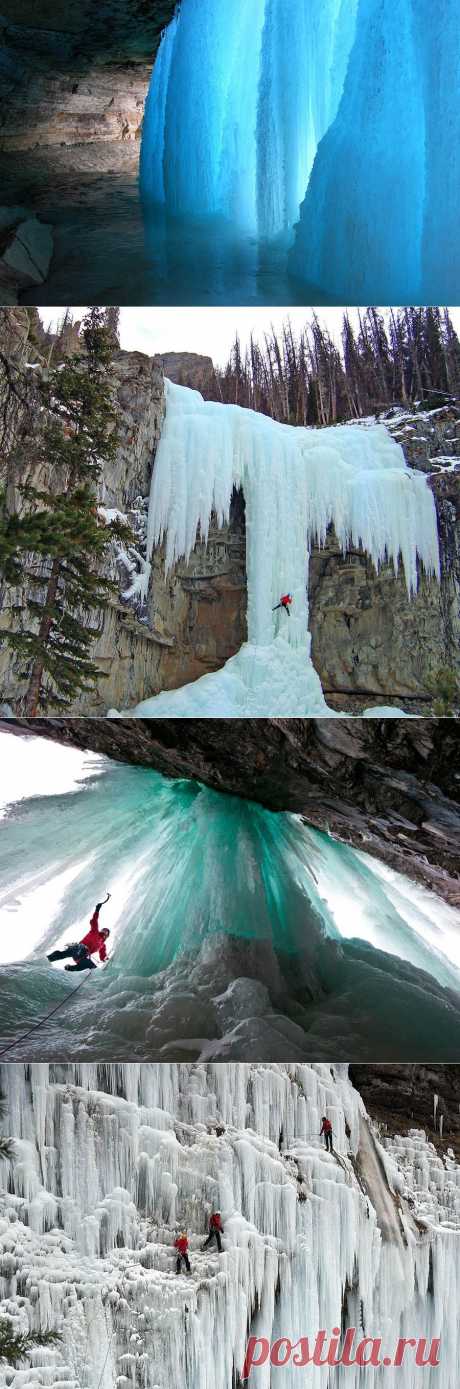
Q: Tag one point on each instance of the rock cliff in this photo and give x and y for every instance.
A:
(77, 75)
(398, 1096)
(73, 84)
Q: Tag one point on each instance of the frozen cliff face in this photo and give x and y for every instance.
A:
(296, 483)
(112, 1161)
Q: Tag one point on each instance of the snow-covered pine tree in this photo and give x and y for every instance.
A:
(15, 1346)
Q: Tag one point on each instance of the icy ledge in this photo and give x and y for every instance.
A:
(112, 1160)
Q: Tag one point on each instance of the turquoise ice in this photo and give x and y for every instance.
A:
(232, 927)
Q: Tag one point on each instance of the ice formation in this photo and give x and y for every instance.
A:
(111, 1161)
(234, 931)
(296, 482)
(239, 99)
(348, 110)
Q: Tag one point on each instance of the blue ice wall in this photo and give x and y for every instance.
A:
(339, 118)
(379, 222)
(240, 96)
(200, 879)
(304, 54)
(439, 31)
(361, 223)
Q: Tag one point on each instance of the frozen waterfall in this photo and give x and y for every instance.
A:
(111, 1161)
(296, 482)
(239, 99)
(346, 111)
(234, 931)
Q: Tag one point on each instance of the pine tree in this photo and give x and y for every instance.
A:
(58, 548)
(14, 1346)
(414, 353)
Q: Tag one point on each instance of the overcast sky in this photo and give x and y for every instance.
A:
(210, 331)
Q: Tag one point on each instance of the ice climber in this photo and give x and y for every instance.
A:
(327, 1131)
(215, 1231)
(284, 602)
(81, 951)
(181, 1244)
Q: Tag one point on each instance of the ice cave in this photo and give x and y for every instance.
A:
(296, 483)
(110, 1162)
(234, 929)
(327, 136)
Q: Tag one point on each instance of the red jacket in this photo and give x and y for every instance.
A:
(181, 1244)
(327, 1126)
(215, 1222)
(94, 940)
(286, 600)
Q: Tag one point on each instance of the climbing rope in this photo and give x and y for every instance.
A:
(17, 1040)
(109, 1345)
(112, 1333)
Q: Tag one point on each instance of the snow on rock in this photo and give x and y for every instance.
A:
(130, 564)
(111, 1161)
(296, 482)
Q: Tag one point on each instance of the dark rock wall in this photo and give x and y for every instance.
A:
(76, 73)
(401, 1097)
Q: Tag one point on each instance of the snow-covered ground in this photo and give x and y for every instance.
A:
(111, 1162)
(296, 482)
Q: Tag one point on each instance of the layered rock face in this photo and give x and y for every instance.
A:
(124, 647)
(73, 75)
(367, 638)
(73, 84)
(391, 788)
